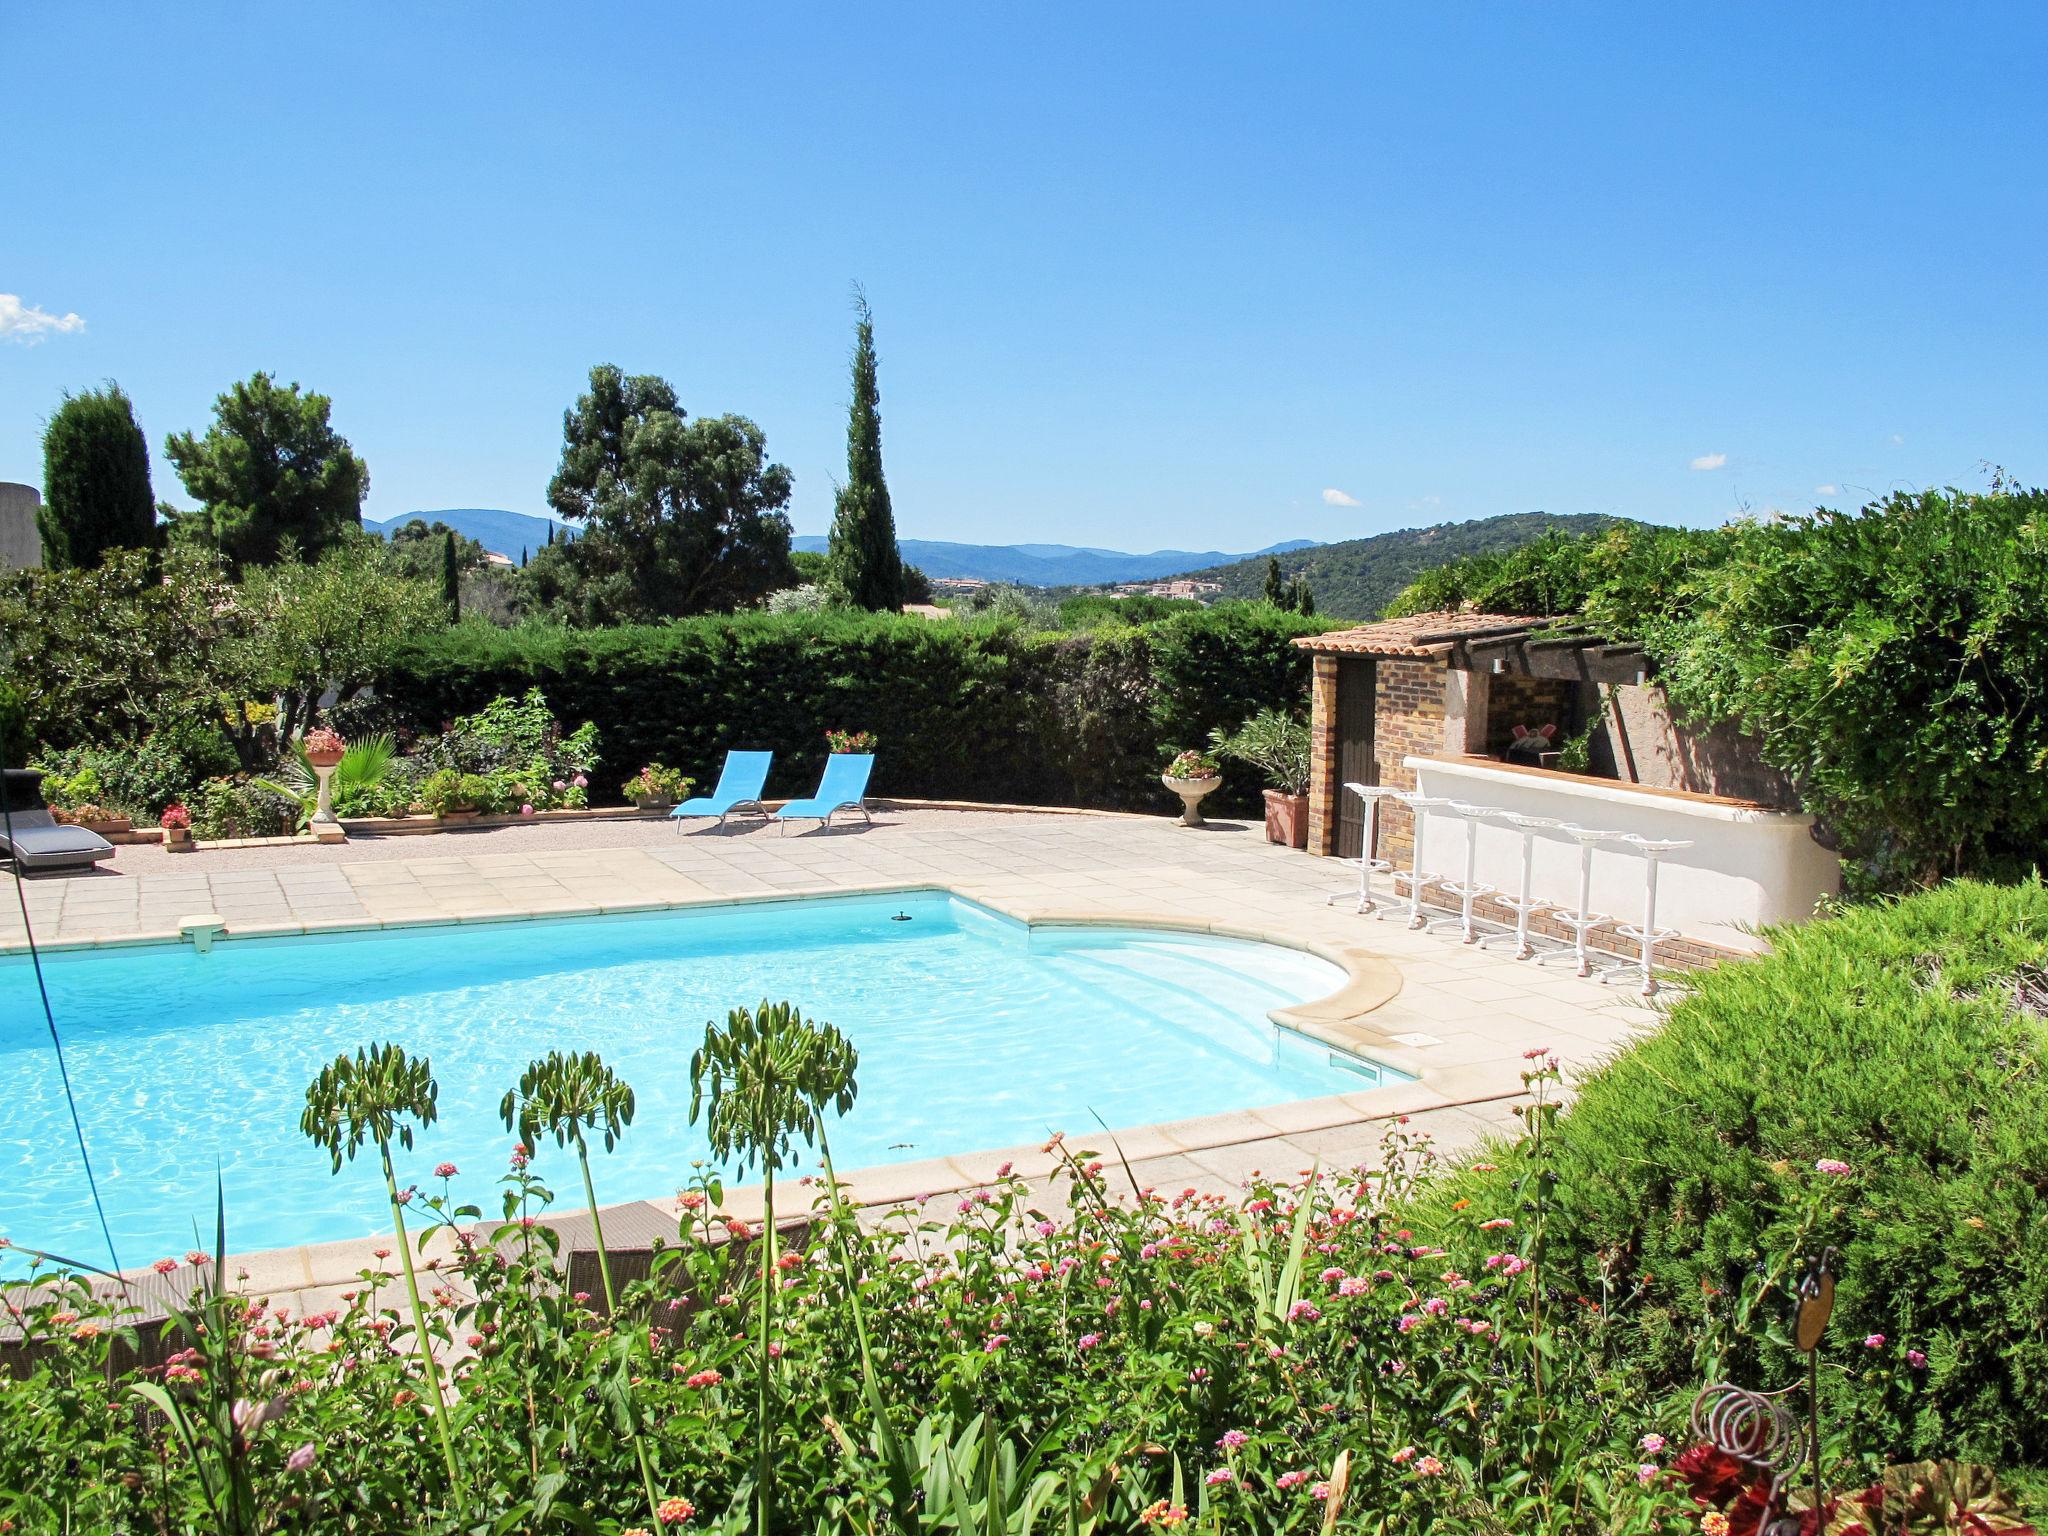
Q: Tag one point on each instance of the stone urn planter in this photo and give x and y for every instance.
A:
(324, 751)
(1191, 792)
(1286, 819)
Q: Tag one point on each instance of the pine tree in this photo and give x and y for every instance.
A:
(1276, 592)
(865, 562)
(96, 494)
(451, 577)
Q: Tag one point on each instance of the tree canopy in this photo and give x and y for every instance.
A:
(270, 475)
(96, 494)
(866, 564)
(682, 516)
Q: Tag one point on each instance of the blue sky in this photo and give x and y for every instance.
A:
(1187, 275)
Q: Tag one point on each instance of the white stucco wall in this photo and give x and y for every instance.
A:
(1746, 867)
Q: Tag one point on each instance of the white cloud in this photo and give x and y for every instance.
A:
(1336, 498)
(1827, 490)
(26, 324)
(1710, 461)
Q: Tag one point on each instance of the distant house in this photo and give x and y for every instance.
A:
(927, 610)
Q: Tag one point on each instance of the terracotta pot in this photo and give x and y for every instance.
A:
(322, 759)
(1286, 819)
(1191, 792)
(178, 840)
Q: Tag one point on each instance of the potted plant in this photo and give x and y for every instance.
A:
(656, 788)
(849, 741)
(452, 796)
(177, 824)
(1276, 744)
(1191, 775)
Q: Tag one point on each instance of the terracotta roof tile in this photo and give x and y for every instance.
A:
(1420, 634)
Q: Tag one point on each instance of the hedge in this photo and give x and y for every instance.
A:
(964, 710)
(1904, 1039)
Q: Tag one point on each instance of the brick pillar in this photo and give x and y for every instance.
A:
(1410, 716)
(1322, 758)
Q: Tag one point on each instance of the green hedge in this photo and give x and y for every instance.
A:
(964, 710)
(1905, 1039)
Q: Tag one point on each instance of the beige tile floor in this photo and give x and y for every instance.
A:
(1459, 1023)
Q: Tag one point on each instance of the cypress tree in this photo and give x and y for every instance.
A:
(864, 559)
(96, 494)
(1304, 597)
(522, 557)
(1276, 592)
(451, 577)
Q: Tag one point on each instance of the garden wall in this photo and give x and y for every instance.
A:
(968, 711)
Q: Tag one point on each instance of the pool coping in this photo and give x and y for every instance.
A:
(1340, 1020)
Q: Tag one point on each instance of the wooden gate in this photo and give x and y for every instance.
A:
(1357, 682)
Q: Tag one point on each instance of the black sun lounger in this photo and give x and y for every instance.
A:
(31, 836)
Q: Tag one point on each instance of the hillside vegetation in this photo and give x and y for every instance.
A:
(1357, 578)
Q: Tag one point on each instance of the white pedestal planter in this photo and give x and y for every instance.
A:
(1191, 792)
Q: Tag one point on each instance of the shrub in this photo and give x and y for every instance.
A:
(1274, 743)
(167, 764)
(1904, 1040)
(656, 782)
(226, 809)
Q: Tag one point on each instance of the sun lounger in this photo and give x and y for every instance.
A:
(32, 837)
(740, 783)
(843, 788)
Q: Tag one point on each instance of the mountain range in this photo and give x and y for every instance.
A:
(1357, 578)
(1054, 565)
(500, 532)
(1037, 565)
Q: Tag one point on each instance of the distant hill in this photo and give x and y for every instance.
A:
(500, 532)
(1054, 565)
(1357, 578)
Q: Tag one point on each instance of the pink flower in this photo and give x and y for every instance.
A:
(1406, 1453)
(1220, 1475)
(560, 786)
(1353, 1285)
(302, 1459)
(1875, 1341)
(1044, 1229)
(1232, 1439)
(1651, 1444)
(1646, 1473)
(580, 782)
(674, 1511)
(474, 1341)
(1291, 1479)
(195, 1258)
(444, 1170)
(1915, 1359)
(164, 1266)
(520, 1157)
(1088, 1341)
(1831, 1165)
(994, 1342)
(1429, 1466)
(1303, 1311)
(526, 810)
(704, 1379)
(1408, 1321)
(1436, 1306)
(1496, 1224)
(1332, 1275)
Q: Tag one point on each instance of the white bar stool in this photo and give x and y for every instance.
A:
(1471, 886)
(1526, 904)
(1584, 919)
(1417, 877)
(1368, 864)
(1647, 933)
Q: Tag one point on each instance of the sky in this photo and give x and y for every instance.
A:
(1189, 275)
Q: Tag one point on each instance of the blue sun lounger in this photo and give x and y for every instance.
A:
(740, 783)
(843, 788)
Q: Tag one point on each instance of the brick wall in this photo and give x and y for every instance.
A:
(1322, 758)
(1532, 701)
(1409, 715)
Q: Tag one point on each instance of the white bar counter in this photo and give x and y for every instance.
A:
(1748, 866)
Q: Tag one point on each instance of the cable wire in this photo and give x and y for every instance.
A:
(35, 958)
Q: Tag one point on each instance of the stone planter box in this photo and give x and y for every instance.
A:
(1286, 819)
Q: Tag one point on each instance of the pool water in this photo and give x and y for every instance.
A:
(974, 1032)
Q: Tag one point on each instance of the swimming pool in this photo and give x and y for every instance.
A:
(974, 1032)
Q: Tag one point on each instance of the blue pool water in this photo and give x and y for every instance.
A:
(973, 1033)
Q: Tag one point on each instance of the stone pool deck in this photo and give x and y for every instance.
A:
(1457, 1018)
